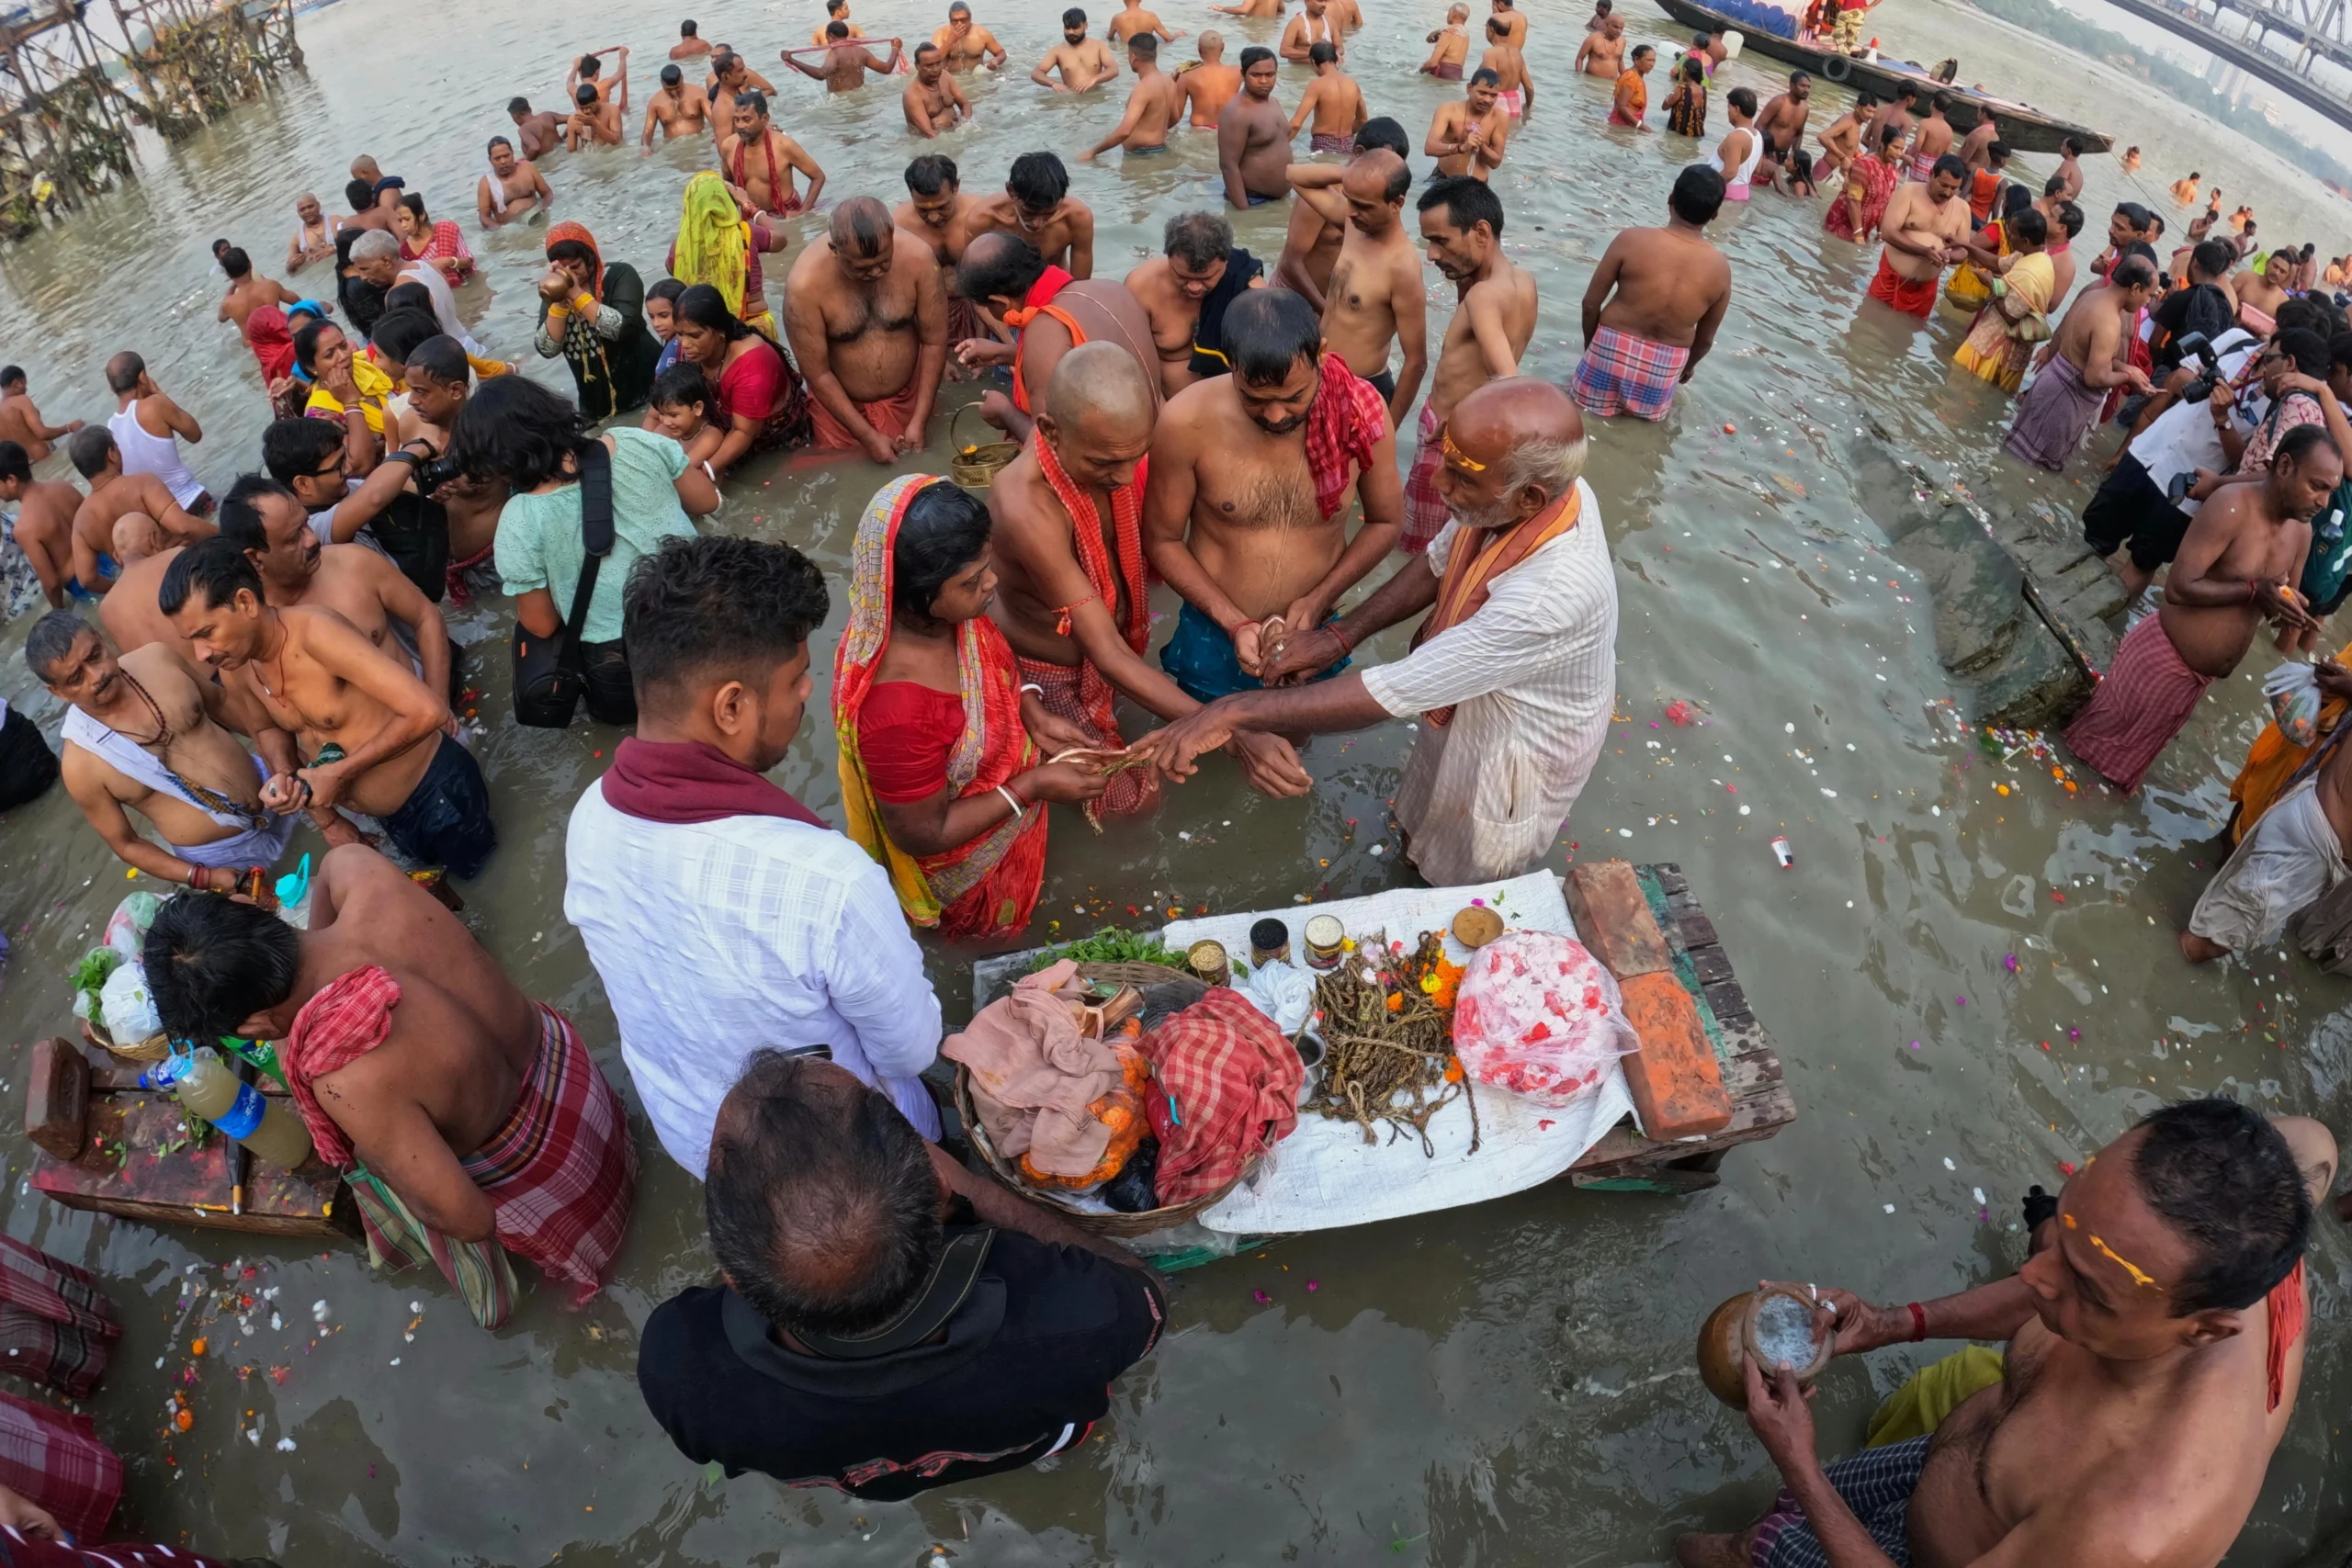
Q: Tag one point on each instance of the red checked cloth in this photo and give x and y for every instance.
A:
(56, 1460)
(56, 1327)
(1234, 1080)
(1347, 421)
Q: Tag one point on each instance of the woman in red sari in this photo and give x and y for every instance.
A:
(422, 239)
(942, 769)
(762, 403)
(1870, 180)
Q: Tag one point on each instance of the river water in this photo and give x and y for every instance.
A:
(1513, 1382)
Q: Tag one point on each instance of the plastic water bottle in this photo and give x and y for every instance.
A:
(209, 1088)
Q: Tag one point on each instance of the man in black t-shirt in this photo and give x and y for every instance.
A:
(888, 1322)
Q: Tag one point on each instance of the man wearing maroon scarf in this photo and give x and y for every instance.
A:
(723, 915)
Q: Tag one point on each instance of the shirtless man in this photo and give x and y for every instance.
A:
(2156, 1346)
(1186, 291)
(115, 495)
(588, 71)
(2070, 168)
(970, 46)
(1038, 207)
(1311, 244)
(1516, 89)
(1468, 135)
(1783, 121)
(1252, 138)
(375, 733)
(1924, 227)
(1512, 18)
(759, 162)
(20, 418)
(1373, 297)
(1934, 139)
(1312, 25)
(314, 238)
(2185, 191)
(1449, 46)
(1494, 316)
(1260, 8)
(934, 100)
(2237, 567)
(866, 319)
(845, 61)
(1209, 83)
(934, 210)
(1975, 147)
(511, 190)
(1333, 102)
(691, 44)
(142, 734)
(1653, 305)
(266, 521)
(1085, 63)
(678, 107)
(248, 291)
(594, 121)
(1895, 112)
(1602, 53)
(1154, 105)
(1133, 19)
(1068, 623)
(1842, 143)
(835, 11)
(539, 133)
(44, 527)
(1236, 517)
(730, 77)
(2085, 356)
(1001, 274)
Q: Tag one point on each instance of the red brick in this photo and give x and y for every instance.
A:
(57, 1102)
(1678, 1087)
(1613, 920)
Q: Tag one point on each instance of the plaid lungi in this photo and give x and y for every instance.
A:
(1426, 513)
(56, 1460)
(2144, 701)
(562, 1175)
(55, 1325)
(1623, 374)
(1876, 1483)
(1128, 792)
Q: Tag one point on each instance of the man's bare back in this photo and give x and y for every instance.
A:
(1669, 287)
(1207, 88)
(20, 422)
(45, 533)
(107, 504)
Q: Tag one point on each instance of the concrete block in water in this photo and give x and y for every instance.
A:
(1976, 588)
(1988, 633)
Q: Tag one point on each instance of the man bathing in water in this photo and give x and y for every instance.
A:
(1494, 316)
(44, 527)
(588, 71)
(691, 44)
(538, 133)
(1653, 305)
(845, 60)
(866, 319)
(1924, 227)
(1781, 125)
(117, 497)
(1262, 8)
(1467, 137)
(142, 734)
(1842, 143)
(1252, 138)
(1602, 53)
(1085, 63)
(678, 107)
(1037, 206)
(1154, 105)
(835, 11)
(934, 100)
(1312, 25)
(513, 187)
(1052, 313)
(20, 418)
(759, 162)
(376, 737)
(1250, 476)
(1449, 46)
(1373, 297)
(594, 121)
(2156, 1337)
(1515, 90)
(730, 77)
(967, 45)
(1209, 83)
(933, 213)
(1311, 244)
(1133, 19)
(313, 237)
(1333, 102)
(1186, 292)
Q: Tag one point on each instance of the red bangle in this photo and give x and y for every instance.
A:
(1347, 644)
(1918, 1322)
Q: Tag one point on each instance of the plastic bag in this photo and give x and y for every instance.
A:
(127, 927)
(1540, 1016)
(1282, 992)
(127, 1007)
(2293, 690)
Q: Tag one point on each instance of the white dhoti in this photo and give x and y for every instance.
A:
(261, 834)
(2290, 860)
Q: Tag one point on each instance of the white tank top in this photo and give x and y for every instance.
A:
(1735, 184)
(156, 455)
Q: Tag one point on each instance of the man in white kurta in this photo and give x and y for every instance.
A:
(1514, 674)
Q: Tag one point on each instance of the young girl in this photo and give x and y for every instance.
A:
(1795, 173)
(1686, 106)
(680, 409)
(662, 315)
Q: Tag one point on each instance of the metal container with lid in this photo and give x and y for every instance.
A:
(1324, 936)
(1208, 963)
(1269, 943)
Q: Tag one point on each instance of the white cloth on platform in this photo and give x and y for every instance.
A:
(1532, 676)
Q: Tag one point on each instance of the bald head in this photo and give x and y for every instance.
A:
(861, 226)
(1101, 387)
(1378, 176)
(123, 372)
(1529, 437)
(1212, 47)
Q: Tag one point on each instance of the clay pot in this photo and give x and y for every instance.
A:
(1728, 1338)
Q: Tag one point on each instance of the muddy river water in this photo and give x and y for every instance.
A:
(1508, 1384)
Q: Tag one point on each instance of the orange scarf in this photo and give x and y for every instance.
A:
(1470, 573)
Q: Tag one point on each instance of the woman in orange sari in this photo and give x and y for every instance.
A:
(942, 753)
(2273, 761)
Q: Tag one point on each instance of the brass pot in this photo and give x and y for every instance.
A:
(1728, 1338)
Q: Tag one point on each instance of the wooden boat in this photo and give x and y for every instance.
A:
(2025, 130)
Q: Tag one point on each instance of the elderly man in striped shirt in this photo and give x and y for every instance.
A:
(1514, 670)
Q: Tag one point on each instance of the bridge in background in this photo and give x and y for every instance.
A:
(2242, 32)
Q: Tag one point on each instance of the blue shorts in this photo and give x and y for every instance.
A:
(1257, 200)
(107, 568)
(1144, 151)
(446, 821)
(1199, 658)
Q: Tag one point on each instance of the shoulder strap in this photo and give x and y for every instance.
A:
(596, 533)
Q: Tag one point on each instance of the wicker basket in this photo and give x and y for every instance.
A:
(1008, 1174)
(976, 467)
(155, 1048)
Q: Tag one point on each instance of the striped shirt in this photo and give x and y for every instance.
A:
(1533, 675)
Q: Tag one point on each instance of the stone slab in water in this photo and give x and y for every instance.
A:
(1976, 586)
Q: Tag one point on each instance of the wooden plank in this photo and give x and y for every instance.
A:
(124, 1171)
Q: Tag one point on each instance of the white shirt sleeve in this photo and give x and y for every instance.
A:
(874, 974)
(1512, 635)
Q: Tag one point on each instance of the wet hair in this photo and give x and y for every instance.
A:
(89, 448)
(687, 29)
(1950, 164)
(753, 99)
(241, 518)
(2074, 148)
(681, 384)
(2314, 437)
(1383, 130)
(441, 359)
(1482, 77)
(705, 306)
(1888, 135)
(360, 195)
(514, 106)
(1940, 103)
(1692, 71)
(2029, 228)
(1908, 92)
(1073, 17)
(1801, 165)
(52, 638)
(293, 449)
(946, 529)
(123, 372)
(1268, 330)
(1197, 238)
(1468, 202)
(723, 62)
(12, 375)
(585, 95)
(1799, 76)
(1698, 195)
(671, 75)
(998, 265)
(1252, 55)
(864, 221)
(2212, 257)
(1998, 151)
(1741, 99)
(821, 1199)
(668, 289)
(959, 10)
(1037, 181)
(496, 142)
(2223, 1178)
(718, 608)
(2157, 219)
(2306, 349)
(1143, 46)
(2053, 185)
(410, 296)
(215, 568)
(212, 962)
(517, 430)
(2133, 213)
(2133, 272)
(14, 462)
(1495, 27)
(1641, 50)
(930, 174)
(398, 332)
(837, 30)
(571, 251)
(2070, 217)
(235, 262)
(926, 48)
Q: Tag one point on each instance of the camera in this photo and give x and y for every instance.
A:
(2197, 346)
(432, 476)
